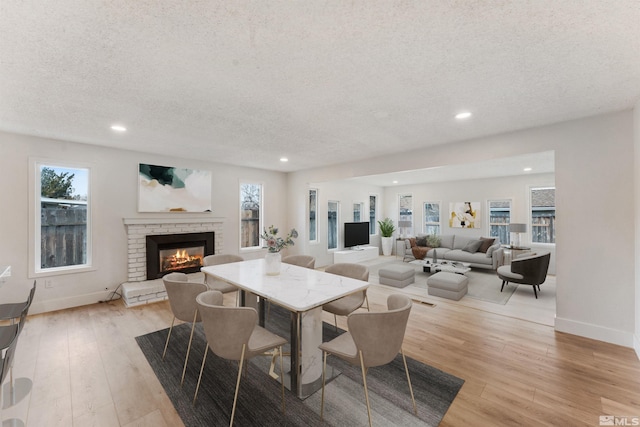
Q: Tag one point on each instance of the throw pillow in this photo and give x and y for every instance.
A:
(492, 248)
(433, 241)
(472, 246)
(421, 240)
(486, 242)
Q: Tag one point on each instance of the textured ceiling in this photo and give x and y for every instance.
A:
(320, 82)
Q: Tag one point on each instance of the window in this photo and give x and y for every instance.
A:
(405, 213)
(372, 213)
(358, 209)
(63, 225)
(250, 215)
(432, 218)
(499, 219)
(543, 215)
(332, 226)
(313, 210)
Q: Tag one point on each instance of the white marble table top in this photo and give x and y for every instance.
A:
(295, 288)
(5, 272)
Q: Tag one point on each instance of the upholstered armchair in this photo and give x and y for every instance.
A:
(527, 270)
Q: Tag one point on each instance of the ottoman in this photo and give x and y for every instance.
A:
(398, 276)
(448, 285)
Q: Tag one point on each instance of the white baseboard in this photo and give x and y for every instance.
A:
(69, 302)
(636, 345)
(595, 332)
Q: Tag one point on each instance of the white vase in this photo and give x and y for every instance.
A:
(272, 262)
(387, 245)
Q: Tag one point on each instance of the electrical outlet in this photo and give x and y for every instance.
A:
(48, 283)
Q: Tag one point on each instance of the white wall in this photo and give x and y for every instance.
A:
(115, 198)
(636, 136)
(594, 197)
(347, 193)
(515, 188)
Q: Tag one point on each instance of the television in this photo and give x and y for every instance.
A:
(356, 234)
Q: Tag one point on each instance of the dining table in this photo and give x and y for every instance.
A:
(301, 291)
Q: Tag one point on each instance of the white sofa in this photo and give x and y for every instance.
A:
(454, 247)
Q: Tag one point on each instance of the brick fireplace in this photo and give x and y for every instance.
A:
(139, 289)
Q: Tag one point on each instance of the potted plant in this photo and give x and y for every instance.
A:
(386, 230)
(275, 244)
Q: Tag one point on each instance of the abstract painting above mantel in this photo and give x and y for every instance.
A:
(464, 215)
(171, 189)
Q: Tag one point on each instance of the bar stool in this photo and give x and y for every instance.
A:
(8, 344)
(12, 311)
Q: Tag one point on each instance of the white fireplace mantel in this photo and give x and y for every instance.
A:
(172, 220)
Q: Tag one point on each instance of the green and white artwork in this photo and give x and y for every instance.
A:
(171, 189)
(464, 215)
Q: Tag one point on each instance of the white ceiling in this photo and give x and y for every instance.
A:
(538, 163)
(321, 82)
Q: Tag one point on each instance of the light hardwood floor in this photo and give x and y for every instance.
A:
(87, 369)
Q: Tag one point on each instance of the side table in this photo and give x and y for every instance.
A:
(400, 248)
(512, 251)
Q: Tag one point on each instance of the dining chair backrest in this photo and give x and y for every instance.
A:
(305, 261)
(354, 271)
(227, 328)
(379, 335)
(221, 259)
(182, 295)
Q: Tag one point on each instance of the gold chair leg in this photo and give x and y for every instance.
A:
(415, 408)
(166, 344)
(186, 358)
(235, 397)
(204, 359)
(364, 383)
(366, 298)
(284, 409)
(324, 370)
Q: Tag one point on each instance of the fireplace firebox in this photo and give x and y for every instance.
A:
(184, 253)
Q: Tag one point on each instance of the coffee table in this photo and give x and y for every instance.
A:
(428, 266)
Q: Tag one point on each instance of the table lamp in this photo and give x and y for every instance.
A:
(517, 229)
(403, 225)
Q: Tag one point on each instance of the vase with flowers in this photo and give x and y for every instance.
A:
(274, 245)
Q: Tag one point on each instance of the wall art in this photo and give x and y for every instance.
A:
(464, 215)
(171, 189)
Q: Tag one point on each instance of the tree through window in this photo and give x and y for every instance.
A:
(64, 222)
(250, 215)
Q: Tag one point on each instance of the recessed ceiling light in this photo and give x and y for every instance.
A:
(119, 128)
(527, 169)
(395, 182)
(463, 115)
(284, 159)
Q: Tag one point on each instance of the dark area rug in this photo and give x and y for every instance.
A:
(259, 399)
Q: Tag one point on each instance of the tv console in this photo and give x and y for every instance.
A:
(362, 253)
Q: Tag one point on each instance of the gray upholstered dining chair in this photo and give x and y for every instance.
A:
(350, 303)
(526, 270)
(305, 261)
(218, 285)
(232, 333)
(182, 300)
(374, 339)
